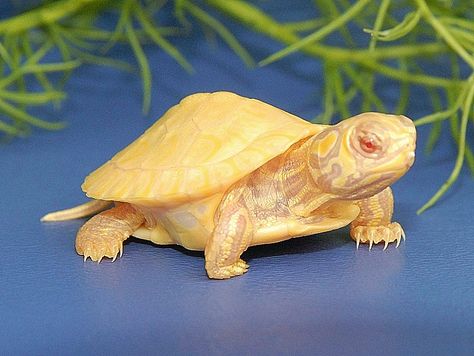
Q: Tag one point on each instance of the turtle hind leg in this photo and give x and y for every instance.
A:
(103, 235)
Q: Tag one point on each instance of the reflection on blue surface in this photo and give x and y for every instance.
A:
(311, 295)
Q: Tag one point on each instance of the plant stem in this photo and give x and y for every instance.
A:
(403, 76)
(226, 35)
(404, 90)
(364, 88)
(460, 157)
(319, 34)
(44, 15)
(444, 32)
(8, 129)
(443, 115)
(257, 20)
(27, 118)
(32, 98)
(379, 22)
(38, 68)
(143, 62)
(253, 17)
(149, 27)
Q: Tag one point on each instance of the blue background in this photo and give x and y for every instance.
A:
(316, 294)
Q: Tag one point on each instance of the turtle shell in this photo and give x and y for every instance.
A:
(199, 147)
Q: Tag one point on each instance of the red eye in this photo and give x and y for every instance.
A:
(369, 143)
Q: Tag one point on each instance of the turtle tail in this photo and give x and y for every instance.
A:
(90, 208)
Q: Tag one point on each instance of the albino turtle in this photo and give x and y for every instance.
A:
(220, 172)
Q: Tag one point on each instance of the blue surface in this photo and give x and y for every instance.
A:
(311, 295)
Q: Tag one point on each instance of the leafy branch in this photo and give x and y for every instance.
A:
(70, 27)
(401, 36)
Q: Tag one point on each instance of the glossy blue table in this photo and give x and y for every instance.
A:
(314, 295)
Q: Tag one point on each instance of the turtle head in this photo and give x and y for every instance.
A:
(361, 156)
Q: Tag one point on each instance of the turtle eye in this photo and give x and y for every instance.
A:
(369, 143)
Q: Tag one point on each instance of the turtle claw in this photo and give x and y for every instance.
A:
(238, 268)
(398, 243)
(118, 253)
(371, 235)
(99, 247)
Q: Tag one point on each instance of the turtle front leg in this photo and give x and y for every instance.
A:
(373, 225)
(103, 235)
(231, 237)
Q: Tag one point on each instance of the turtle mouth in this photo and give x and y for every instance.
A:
(396, 167)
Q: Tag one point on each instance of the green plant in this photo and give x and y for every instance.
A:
(400, 36)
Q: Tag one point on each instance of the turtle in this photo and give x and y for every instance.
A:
(220, 172)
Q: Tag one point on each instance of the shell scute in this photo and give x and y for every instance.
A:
(205, 147)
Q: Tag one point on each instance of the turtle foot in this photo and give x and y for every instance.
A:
(392, 232)
(97, 246)
(236, 269)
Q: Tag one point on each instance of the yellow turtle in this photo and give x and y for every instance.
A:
(220, 172)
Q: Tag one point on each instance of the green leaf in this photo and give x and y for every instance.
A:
(102, 60)
(402, 29)
(330, 11)
(340, 95)
(444, 32)
(458, 22)
(5, 56)
(143, 63)
(41, 77)
(32, 98)
(443, 115)
(155, 35)
(319, 34)
(435, 134)
(326, 115)
(23, 116)
(179, 8)
(467, 107)
(8, 129)
(120, 27)
(435, 131)
(77, 41)
(379, 21)
(366, 90)
(404, 90)
(305, 25)
(226, 35)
